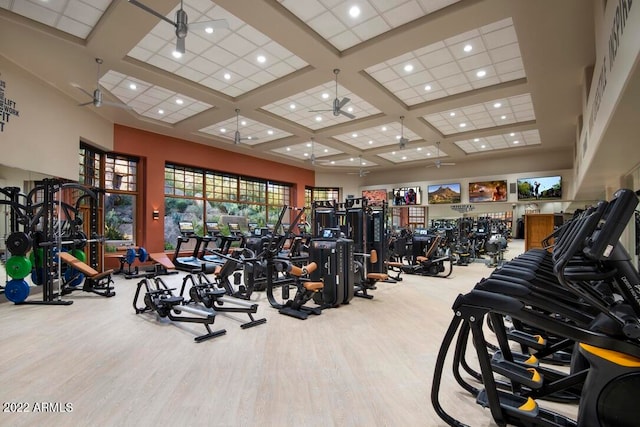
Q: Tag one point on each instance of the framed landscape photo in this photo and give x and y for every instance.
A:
(541, 188)
(488, 191)
(443, 194)
(404, 196)
(375, 197)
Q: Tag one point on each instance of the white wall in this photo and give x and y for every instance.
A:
(45, 135)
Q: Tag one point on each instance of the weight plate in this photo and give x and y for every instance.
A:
(18, 243)
(16, 290)
(18, 267)
(130, 256)
(80, 239)
(143, 255)
(36, 275)
(73, 277)
(36, 257)
(80, 255)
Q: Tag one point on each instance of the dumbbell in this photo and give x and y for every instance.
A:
(130, 255)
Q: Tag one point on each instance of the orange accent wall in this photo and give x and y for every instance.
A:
(155, 149)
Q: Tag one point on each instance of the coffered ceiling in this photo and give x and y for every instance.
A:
(485, 78)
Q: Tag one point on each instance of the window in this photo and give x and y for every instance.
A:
(194, 195)
(90, 162)
(120, 183)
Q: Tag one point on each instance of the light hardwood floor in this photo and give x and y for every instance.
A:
(368, 363)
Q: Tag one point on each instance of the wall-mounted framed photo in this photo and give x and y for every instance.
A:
(488, 191)
(406, 196)
(376, 197)
(443, 194)
(541, 188)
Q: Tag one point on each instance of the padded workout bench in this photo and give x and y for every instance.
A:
(94, 281)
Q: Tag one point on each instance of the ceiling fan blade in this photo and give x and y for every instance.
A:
(84, 104)
(447, 164)
(117, 105)
(344, 113)
(180, 45)
(83, 91)
(215, 24)
(319, 111)
(151, 11)
(343, 102)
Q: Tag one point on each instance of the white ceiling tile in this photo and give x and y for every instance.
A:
(505, 52)
(344, 40)
(304, 10)
(459, 40)
(219, 56)
(436, 58)
(371, 28)
(237, 44)
(327, 25)
(196, 44)
(35, 12)
(253, 36)
(82, 12)
(73, 27)
(452, 81)
(384, 75)
(430, 6)
(276, 50)
(496, 25)
(243, 68)
(384, 5)
(403, 13)
(500, 37)
(191, 74)
(474, 62)
(164, 63)
(509, 66)
(445, 70)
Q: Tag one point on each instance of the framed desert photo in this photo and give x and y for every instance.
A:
(488, 191)
(542, 188)
(443, 193)
(406, 196)
(375, 197)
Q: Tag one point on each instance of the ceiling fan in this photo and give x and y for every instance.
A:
(182, 25)
(437, 162)
(361, 172)
(403, 140)
(338, 103)
(96, 96)
(237, 139)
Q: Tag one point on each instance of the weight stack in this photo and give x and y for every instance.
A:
(334, 258)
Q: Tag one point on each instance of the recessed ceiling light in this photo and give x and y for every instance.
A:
(370, 142)
(223, 130)
(208, 30)
(462, 125)
(516, 142)
(354, 135)
(318, 118)
(482, 146)
(476, 140)
(354, 12)
(481, 73)
(468, 48)
(419, 148)
(133, 86)
(308, 144)
(179, 101)
(427, 88)
(428, 154)
(512, 134)
(176, 54)
(404, 157)
(306, 154)
(497, 105)
(227, 76)
(288, 148)
(384, 128)
(160, 111)
(503, 117)
(452, 114)
(398, 137)
(325, 95)
(351, 159)
(326, 150)
(243, 123)
(249, 137)
(261, 59)
(350, 109)
(270, 132)
(408, 68)
(292, 106)
(364, 163)
(333, 162)
(393, 153)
